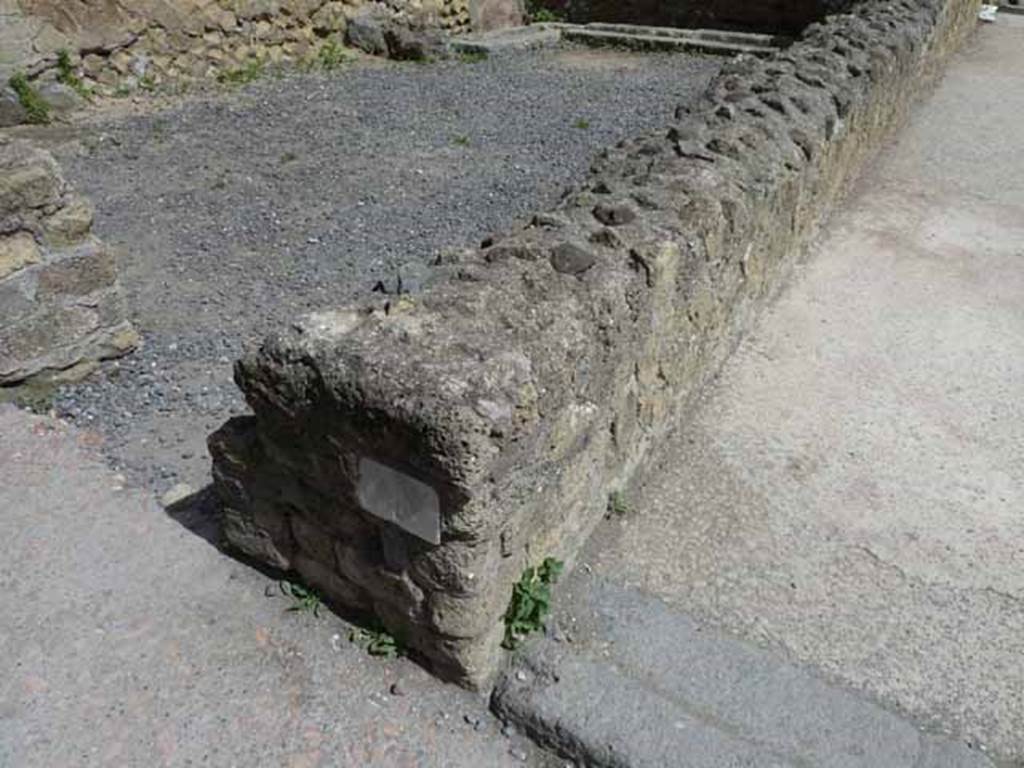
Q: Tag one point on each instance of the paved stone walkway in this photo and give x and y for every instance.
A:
(850, 493)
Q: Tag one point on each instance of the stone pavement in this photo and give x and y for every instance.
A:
(127, 640)
(849, 493)
(625, 680)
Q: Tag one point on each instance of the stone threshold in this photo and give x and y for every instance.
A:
(630, 36)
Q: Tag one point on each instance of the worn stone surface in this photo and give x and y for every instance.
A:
(523, 395)
(641, 684)
(16, 251)
(496, 14)
(60, 302)
(366, 32)
(404, 39)
(11, 111)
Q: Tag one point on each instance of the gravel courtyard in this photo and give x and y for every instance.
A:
(234, 212)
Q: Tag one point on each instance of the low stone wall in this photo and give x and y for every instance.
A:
(60, 303)
(409, 457)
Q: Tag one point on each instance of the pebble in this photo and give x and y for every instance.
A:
(176, 493)
(397, 690)
(518, 754)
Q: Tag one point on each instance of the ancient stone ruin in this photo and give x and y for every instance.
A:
(410, 455)
(61, 308)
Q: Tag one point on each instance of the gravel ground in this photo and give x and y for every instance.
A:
(234, 213)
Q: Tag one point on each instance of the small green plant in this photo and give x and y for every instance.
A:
(461, 141)
(537, 13)
(288, 157)
(123, 91)
(331, 56)
(545, 15)
(472, 57)
(35, 106)
(304, 599)
(531, 602)
(66, 74)
(254, 70)
(147, 83)
(617, 504)
(377, 641)
(582, 124)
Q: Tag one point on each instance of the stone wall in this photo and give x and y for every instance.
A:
(60, 303)
(409, 456)
(117, 45)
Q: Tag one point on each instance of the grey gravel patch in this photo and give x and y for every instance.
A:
(235, 214)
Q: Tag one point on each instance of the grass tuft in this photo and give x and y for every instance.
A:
(304, 599)
(254, 70)
(36, 109)
(377, 641)
(332, 55)
(66, 74)
(617, 504)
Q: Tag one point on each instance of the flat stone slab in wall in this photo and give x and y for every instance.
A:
(532, 377)
(495, 14)
(61, 306)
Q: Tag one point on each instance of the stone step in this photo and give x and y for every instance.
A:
(626, 35)
(517, 38)
(627, 681)
(719, 35)
(648, 42)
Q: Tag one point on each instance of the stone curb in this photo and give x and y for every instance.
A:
(641, 685)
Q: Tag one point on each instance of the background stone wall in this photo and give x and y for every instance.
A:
(61, 307)
(782, 16)
(122, 44)
(409, 457)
